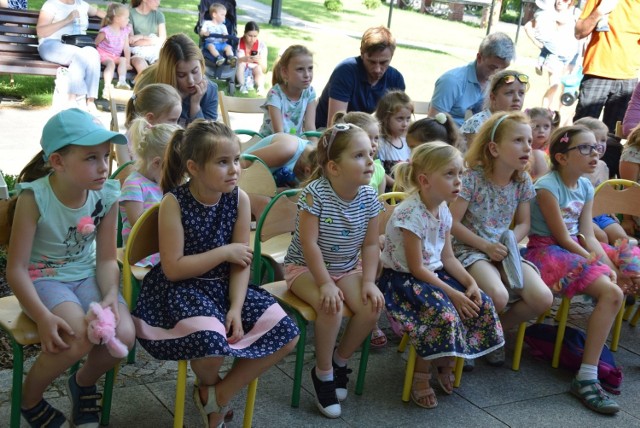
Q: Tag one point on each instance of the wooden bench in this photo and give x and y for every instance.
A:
(19, 43)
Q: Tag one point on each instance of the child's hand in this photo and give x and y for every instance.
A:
(239, 254)
(233, 326)
(111, 300)
(473, 293)
(49, 332)
(466, 307)
(331, 298)
(372, 293)
(200, 90)
(496, 251)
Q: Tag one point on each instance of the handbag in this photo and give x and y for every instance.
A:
(80, 40)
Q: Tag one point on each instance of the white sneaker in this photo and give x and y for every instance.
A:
(123, 85)
(244, 89)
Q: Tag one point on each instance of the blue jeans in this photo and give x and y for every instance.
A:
(83, 64)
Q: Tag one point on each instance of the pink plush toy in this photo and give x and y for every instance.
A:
(101, 329)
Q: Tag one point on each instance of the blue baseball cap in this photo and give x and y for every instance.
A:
(75, 126)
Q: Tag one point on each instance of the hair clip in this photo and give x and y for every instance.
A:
(133, 97)
(565, 138)
(441, 118)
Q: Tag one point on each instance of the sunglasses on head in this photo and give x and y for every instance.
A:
(338, 127)
(587, 149)
(510, 78)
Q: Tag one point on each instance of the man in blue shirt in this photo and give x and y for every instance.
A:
(462, 88)
(357, 83)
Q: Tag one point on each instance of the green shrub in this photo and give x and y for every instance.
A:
(372, 4)
(10, 180)
(333, 5)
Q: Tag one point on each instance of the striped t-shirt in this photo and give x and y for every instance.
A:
(342, 225)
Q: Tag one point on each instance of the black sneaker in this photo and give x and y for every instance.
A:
(85, 410)
(326, 398)
(43, 415)
(341, 378)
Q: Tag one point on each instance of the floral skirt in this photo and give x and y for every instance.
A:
(433, 323)
(568, 273)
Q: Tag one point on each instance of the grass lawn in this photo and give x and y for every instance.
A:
(445, 44)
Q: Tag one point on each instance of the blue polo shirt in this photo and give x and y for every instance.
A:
(349, 83)
(457, 91)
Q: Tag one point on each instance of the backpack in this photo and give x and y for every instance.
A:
(541, 339)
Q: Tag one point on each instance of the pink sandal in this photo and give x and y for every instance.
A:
(378, 338)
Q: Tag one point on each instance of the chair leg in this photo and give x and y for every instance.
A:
(251, 401)
(627, 312)
(458, 372)
(635, 318)
(297, 376)
(408, 374)
(563, 314)
(364, 360)
(181, 392)
(517, 352)
(16, 389)
(617, 328)
(403, 343)
(107, 395)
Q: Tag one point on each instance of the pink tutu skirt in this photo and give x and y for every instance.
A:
(564, 272)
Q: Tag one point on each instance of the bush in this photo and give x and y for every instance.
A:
(372, 4)
(333, 5)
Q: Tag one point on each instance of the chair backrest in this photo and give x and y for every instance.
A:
(230, 104)
(123, 172)
(389, 201)
(617, 197)
(258, 182)
(143, 242)
(278, 218)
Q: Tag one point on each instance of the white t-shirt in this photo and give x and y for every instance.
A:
(60, 11)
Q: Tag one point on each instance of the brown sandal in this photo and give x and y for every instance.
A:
(445, 375)
(421, 388)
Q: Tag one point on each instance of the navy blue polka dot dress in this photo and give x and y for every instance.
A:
(184, 320)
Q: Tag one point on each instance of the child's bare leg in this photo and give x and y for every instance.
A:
(122, 69)
(614, 232)
(364, 316)
(601, 235)
(609, 300)
(213, 51)
(550, 99)
(47, 366)
(327, 325)
(140, 64)
(240, 73)
(488, 279)
(536, 298)
(228, 51)
(109, 67)
(99, 361)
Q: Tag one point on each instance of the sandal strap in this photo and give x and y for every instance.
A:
(212, 406)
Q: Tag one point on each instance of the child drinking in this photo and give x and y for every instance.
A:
(200, 287)
(394, 112)
(561, 211)
(212, 30)
(426, 288)
(605, 226)
(495, 191)
(438, 128)
(141, 189)
(112, 42)
(291, 102)
(630, 170)
(62, 257)
(543, 122)
(333, 257)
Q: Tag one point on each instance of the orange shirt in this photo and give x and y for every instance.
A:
(615, 54)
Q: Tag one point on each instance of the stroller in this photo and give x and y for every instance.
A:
(225, 71)
(571, 83)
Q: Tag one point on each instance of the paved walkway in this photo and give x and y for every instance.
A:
(536, 396)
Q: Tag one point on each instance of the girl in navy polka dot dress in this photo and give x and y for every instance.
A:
(197, 304)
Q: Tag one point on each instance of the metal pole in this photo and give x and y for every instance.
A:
(276, 13)
(390, 13)
(519, 20)
(493, 3)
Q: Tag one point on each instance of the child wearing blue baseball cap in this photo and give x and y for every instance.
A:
(63, 257)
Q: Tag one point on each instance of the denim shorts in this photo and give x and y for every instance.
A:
(604, 220)
(218, 45)
(83, 292)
